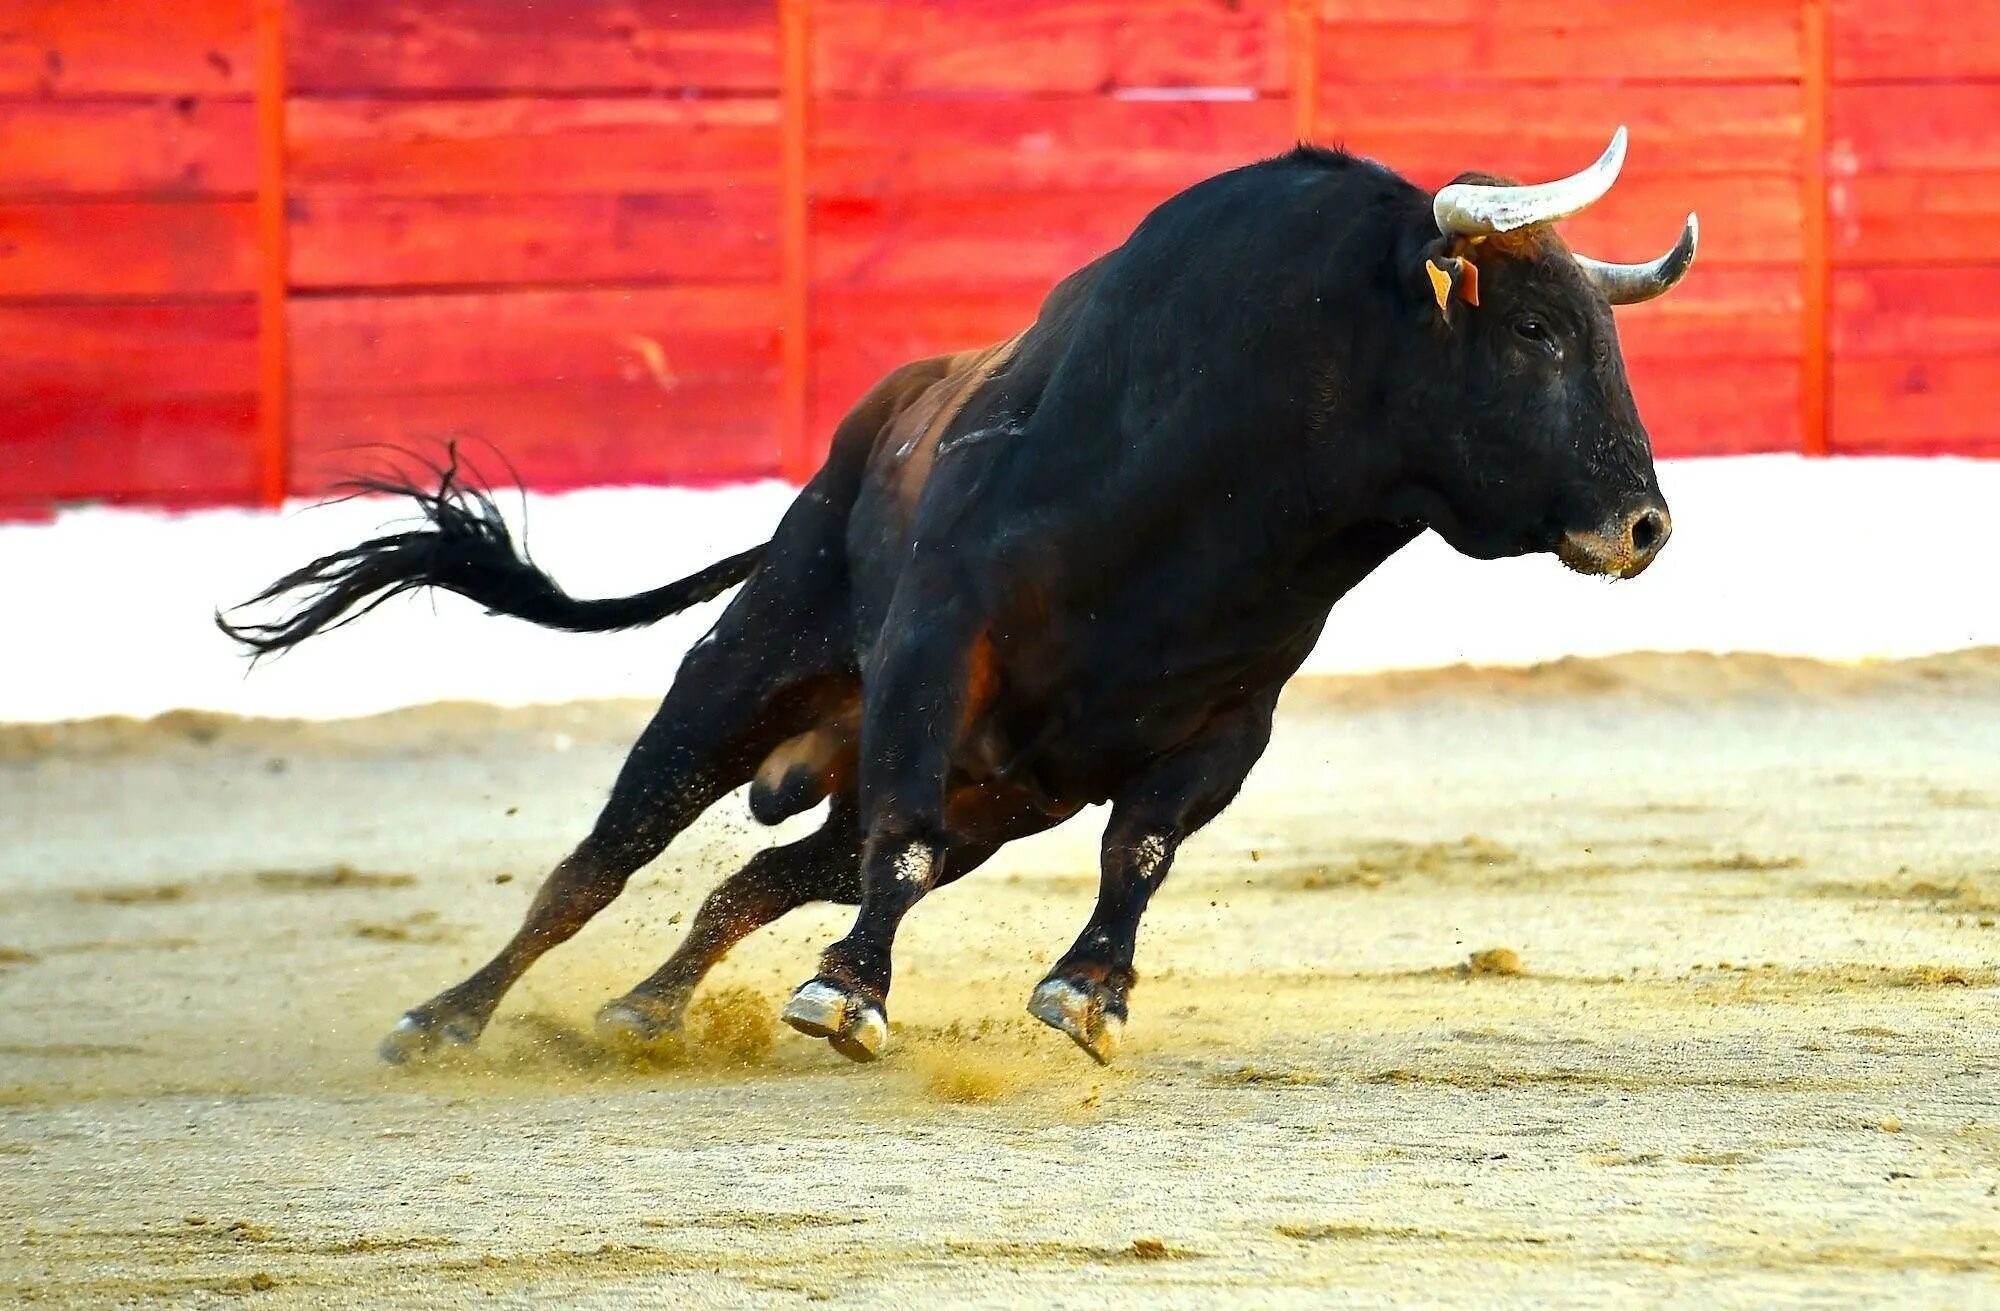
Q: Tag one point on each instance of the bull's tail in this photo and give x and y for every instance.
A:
(463, 547)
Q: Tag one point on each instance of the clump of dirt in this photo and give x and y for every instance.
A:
(15, 956)
(1958, 896)
(144, 894)
(1150, 1249)
(1744, 862)
(1841, 978)
(367, 1243)
(1375, 863)
(247, 1231)
(734, 1023)
(332, 878)
(1498, 961)
(1943, 976)
(760, 1221)
(422, 927)
(1487, 1078)
(1325, 1233)
(1269, 1076)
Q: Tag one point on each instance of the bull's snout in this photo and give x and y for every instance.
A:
(1621, 549)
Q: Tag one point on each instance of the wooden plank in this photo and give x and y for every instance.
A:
(156, 149)
(583, 45)
(1915, 218)
(174, 450)
(878, 47)
(1915, 39)
(1916, 406)
(190, 348)
(126, 47)
(726, 234)
(880, 146)
(127, 248)
(1459, 41)
(556, 434)
(726, 335)
(575, 387)
(1438, 132)
(530, 145)
(1931, 127)
(1905, 312)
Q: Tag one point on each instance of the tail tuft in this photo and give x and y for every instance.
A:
(463, 546)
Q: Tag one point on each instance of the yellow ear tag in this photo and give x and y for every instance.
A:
(1440, 284)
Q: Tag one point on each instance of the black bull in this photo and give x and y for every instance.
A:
(1078, 566)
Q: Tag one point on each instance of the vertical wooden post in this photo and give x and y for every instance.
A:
(1303, 36)
(273, 263)
(795, 102)
(1815, 273)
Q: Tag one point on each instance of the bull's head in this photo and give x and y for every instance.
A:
(1544, 449)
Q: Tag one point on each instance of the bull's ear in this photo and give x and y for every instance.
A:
(1449, 276)
(1441, 283)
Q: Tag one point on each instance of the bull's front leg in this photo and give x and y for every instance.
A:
(1087, 993)
(931, 673)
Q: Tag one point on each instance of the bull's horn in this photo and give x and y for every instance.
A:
(1471, 209)
(1628, 284)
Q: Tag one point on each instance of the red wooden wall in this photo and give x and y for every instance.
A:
(671, 240)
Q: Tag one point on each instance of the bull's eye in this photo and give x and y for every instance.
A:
(1533, 329)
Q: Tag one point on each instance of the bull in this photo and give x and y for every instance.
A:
(1078, 566)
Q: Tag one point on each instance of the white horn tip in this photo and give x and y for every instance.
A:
(1694, 230)
(1614, 154)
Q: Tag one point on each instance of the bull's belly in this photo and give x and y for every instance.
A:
(1092, 744)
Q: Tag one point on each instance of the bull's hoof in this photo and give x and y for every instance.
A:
(425, 1033)
(640, 1026)
(851, 1023)
(1089, 1013)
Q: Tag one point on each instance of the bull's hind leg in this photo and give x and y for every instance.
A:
(705, 742)
(1086, 994)
(823, 867)
(773, 664)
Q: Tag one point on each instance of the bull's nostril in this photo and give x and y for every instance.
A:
(1647, 530)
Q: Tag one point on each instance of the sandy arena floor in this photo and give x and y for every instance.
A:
(1749, 1057)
